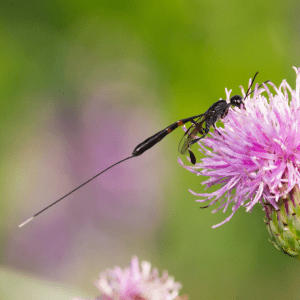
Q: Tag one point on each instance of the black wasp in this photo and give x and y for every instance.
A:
(217, 111)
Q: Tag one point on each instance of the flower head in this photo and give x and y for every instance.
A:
(134, 283)
(256, 156)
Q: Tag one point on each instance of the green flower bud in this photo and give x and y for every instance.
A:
(284, 224)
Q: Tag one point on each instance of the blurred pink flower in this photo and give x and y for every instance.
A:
(134, 283)
(256, 158)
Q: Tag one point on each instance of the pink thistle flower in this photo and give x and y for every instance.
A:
(134, 283)
(256, 157)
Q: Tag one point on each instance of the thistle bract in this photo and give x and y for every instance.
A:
(284, 224)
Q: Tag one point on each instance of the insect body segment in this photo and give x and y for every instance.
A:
(154, 139)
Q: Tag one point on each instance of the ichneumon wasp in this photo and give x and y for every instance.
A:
(217, 111)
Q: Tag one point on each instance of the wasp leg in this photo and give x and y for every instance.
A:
(216, 130)
(192, 157)
(204, 206)
(194, 122)
(196, 140)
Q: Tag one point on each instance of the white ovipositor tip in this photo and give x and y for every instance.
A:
(21, 225)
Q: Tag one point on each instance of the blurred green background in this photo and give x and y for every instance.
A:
(82, 83)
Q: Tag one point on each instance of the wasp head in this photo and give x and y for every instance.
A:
(236, 100)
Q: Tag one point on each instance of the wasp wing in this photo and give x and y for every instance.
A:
(192, 133)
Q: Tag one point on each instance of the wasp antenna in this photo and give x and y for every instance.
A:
(249, 89)
(254, 77)
(28, 220)
(259, 86)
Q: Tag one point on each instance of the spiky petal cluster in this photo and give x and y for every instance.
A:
(134, 283)
(256, 156)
